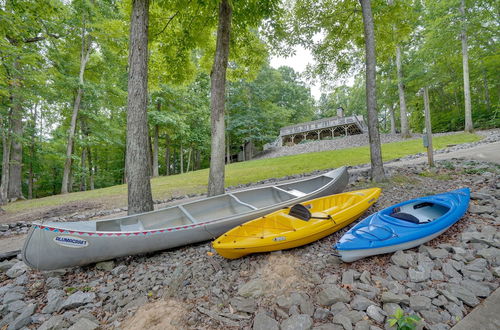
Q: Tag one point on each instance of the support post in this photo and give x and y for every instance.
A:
(428, 127)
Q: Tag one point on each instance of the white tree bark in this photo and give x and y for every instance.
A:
(392, 118)
(218, 87)
(377, 167)
(469, 127)
(155, 152)
(405, 132)
(86, 49)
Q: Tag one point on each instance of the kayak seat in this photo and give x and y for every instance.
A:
(406, 217)
(300, 211)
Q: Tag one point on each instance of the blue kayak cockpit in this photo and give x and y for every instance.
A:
(416, 212)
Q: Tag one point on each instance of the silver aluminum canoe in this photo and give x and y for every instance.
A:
(53, 245)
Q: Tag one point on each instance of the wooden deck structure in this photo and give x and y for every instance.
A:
(321, 129)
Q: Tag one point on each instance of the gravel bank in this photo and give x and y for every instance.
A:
(302, 288)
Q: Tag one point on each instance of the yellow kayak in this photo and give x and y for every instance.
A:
(299, 225)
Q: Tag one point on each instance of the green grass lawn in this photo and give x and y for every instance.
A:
(245, 172)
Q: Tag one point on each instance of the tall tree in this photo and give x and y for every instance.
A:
(465, 60)
(138, 164)
(85, 51)
(217, 100)
(371, 97)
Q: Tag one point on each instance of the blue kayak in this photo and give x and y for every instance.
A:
(404, 225)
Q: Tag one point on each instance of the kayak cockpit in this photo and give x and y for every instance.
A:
(417, 212)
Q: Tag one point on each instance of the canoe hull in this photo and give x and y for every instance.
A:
(292, 239)
(59, 245)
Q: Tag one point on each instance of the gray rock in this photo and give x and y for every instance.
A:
(56, 322)
(354, 316)
(297, 322)
(496, 271)
(248, 305)
(11, 296)
(418, 276)
(437, 253)
(477, 265)
(450, 271)
(17, 270)
(118, 270)
(437, 275)
(321, 313)
(53, 283)
(338, 308)
(431, 316)
(389, 297)
(440, 301)
(476, 276)
(362, 325)
(328, 326)
(418, 303)
(376, 313)
(6, 265)
(361, 303)
(78, 299)
(262, 321)
(16, 306)
(348, 277)
(343, 320)
(431, 293)
(463, 294)
(105, 265)
(366, 290)
(84, 324)
(23, 319)
(253, 288)
(55, 298)
(489, 253)
(365, 277)
(397, 273)
(456, 311)
(479, 289)
(331, 294)
(481, 209)
(402, 259)
(391, 308)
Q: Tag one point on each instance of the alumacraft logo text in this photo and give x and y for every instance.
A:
(71, 241)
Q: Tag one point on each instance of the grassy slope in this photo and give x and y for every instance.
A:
(245, 172)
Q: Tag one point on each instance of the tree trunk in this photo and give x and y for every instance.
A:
(85, 51)
(167, 154)
(182, 159)
(371, 99)
(465, 60)
(189, 159)
(228, 151)
(486, 92)
(83, 179)
(197, 160)
(393, 119)
(6, 146)
(138, 160)
(217, 100)
(31, 174)
(155, 152)
(405, 132)
(91, 169)
(16, 152)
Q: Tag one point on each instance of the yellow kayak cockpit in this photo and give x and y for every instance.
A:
(295, 226)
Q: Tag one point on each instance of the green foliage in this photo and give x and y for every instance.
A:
(402, 321)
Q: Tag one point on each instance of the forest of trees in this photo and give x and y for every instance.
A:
(67, 75)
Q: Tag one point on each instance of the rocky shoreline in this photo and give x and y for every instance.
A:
(303, 288)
